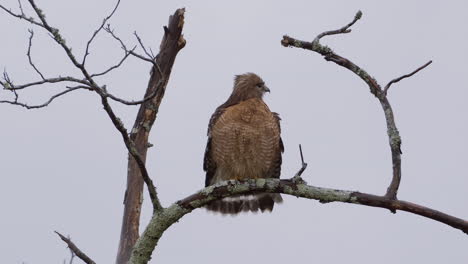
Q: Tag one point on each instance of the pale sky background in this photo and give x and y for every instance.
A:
(64, 167)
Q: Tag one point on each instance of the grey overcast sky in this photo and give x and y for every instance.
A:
(64, 167)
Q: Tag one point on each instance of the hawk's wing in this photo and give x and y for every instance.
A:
(209, 166)
(276, 167)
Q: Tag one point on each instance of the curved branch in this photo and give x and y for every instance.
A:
(375, 89)
(139, 102)
(163, 220)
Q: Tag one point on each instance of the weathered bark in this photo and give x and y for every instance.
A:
(171, 44)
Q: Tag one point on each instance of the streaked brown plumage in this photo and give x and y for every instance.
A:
(244, 143)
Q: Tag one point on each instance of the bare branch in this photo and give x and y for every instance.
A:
(160, 222)
(31, 32)
(133, 151)
(72, 255)
(405, 76)
(15, 102)
(75, 249)
(98, 30)
(342, 30)
(144, 100)
(22, 15)
(112, 67)
(375, 89)
(297, 178)
(10, 86)
(143, 46)
(115, 120)
(132, 52)
(21, 7)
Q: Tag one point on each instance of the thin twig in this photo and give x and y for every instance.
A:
(113, 67)
(143, 46)
(72, 255)
(132, 52)
(21, 7)
(29, 53)
(297, 178)
(75, 249)
(98, 30)
(70, 89)
(343, 30)
(21, 16)
(405, 76)
(144, 100)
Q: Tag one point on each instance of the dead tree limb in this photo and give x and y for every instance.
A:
(375, 89)
(171, 44)
(75, 250)
(163, 220)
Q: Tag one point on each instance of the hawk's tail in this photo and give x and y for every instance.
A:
(245, 203)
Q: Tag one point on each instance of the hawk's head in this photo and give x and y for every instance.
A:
(248, 86)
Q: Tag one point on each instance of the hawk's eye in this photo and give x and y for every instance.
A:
(259, 85)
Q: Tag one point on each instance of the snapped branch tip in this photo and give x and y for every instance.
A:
(358, 15)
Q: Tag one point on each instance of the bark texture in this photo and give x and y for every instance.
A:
(171, 44)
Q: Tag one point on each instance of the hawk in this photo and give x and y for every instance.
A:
(244, 142)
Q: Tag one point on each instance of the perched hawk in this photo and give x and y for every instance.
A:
(244, 143)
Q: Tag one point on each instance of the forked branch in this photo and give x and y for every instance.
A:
(88, 82)
(375, 89)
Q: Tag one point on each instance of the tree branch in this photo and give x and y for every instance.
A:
(22, 15)
(99, 90)
(104, 21)
(8, 84)
(163, 220)
(405, 76)
(89, 82)
(76, 250)
(375, 89)
(150, 58)
(29, 54)
(15, 102)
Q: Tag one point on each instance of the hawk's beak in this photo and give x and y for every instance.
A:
(267, 90)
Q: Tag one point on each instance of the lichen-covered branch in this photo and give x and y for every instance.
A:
(164, 219)
(375, 89)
